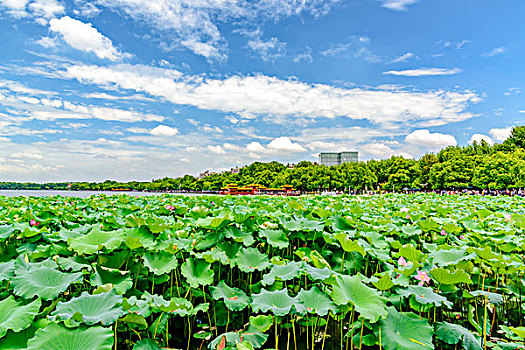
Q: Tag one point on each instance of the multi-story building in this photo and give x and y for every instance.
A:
(337, 158)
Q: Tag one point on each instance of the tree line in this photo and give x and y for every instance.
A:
(475, 166)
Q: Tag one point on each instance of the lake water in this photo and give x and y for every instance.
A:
(82, 194)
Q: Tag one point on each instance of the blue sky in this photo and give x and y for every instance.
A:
(137, 90)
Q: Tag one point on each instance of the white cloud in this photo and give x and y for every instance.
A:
(377, 149)
(305, 56)
(398, 5)
(268, 50)
(500, 134)
(256, 147)
(264, 95)
(356, 47)
(164, 130)
(496, 51)
(216, 149)
(284, 144)
(403, 58)
(480, 137)
(433, 141)
(321, 146)
(47, 42)
(42, 10)
(83, 36)
(457, 45)
(194, 24)
(424, 72)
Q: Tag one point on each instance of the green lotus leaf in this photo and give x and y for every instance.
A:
(253, 337)
(234, 298)
(17, 340)
(318, 274)
(197, 272)
(384, 283)
(75, 263)
(5, 232)
(519, 331)
(443, 276)
(55, 336)
(283, 272)
(244, 237)
(316, 302)
(104, 308)
(213, 255)
(275, 238)
(410, 253)
(146, 344)
(178, 306)
(16, 316)
(251, 259)
(302, 224)
(425, 295)
(453, 334)
(6, 270)
(262, 322)
(405, 331)
(494, 298)
(160, 262)
(44, 282)
(278, 302)
(139, 237)
(349, 245)
(350, 289)
(450, 257)
(135, 319)
(230, 339)
(244, 346)
(96, 240)
(119, 280)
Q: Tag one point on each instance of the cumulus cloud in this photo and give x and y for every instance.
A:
(424, 72)
(271, 96)
(84, 37)
(284, 144)
(500, 134)
(42, 10)
(398, 5)
(433, 141)
(376, 149)
(164, 130)
(480, 137)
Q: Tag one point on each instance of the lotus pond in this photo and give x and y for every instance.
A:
(382, 272)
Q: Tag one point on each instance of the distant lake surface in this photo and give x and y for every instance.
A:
(84, 194)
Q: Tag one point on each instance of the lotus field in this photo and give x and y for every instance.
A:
(382, 272)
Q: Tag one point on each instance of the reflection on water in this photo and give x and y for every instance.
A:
(81, 194)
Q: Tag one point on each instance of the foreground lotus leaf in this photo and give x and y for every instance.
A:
(234, 298)
(446, 277)
(16, 316)
(146, 344)
(120, 280)
(55, 336)
(425, 295)
(251, 259)
(275, 238)
(96, 240)
(6, 270)
(405, 331)
(278, 302)
(160, 262)
(44, 282)
(350, 289)
(283, 272)
(453, 334)
(103, 308)
(316, 302)
(197, 272)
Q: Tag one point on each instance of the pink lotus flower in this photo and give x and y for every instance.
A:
(423, 277)
(407, 217)
(402, 261)
(461, 237)
(507, 217)
(169, 207)
(33, 222)
(443, 232)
